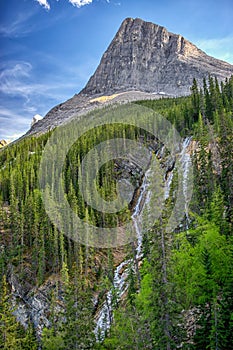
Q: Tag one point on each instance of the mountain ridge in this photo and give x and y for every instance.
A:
(143, 61)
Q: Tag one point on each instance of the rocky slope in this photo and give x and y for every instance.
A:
(144, 61)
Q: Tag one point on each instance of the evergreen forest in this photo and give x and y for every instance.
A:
(180, 293)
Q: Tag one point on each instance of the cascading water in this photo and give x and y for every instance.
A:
(105, 315)
(168, 183)
(104, 319)
(185, 160)
(136, 217)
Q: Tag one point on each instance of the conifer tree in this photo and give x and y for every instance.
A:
(195, 100)
(12, 334)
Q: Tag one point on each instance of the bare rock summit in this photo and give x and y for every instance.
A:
(143, 61)
(145, 56)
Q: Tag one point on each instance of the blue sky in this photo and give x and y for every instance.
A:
(49, 48)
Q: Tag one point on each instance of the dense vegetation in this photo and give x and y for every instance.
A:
(184, 296)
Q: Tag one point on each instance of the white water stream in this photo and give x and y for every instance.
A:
(120, 286)
(105, 315)
(185, 160)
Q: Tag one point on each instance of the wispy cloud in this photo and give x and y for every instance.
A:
(44, 3)
(76, 3)
(11, 79)
(18, 80)
(9, 119)
(6, 114)
(18, 26)
(23, 95)
(221, 48)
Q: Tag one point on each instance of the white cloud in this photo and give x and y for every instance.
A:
(23, 96)
(13, 137)
(221, 48)
(44, 3)
(77, 3)
(18, 79)
(24, 92)
(80, 3)
(12, 124)
(6, 114)
(11, 79)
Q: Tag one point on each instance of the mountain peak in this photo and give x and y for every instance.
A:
(145, 56)
(143, 61)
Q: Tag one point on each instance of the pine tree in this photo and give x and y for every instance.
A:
(12, 333)
(78, 328)
(29, 341)
(225, 337)
(195, 100)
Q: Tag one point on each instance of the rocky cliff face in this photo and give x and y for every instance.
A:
(144, 61)
(32, 304)
(145, 56)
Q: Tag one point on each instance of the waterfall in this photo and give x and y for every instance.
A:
(105, 315)
(185, 161)
(168, 183)
(104, 319)
(143, 199)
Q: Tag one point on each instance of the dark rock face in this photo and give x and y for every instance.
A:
(145, 56)
(31, 303)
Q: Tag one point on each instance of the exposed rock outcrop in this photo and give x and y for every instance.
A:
(31, 303)
(35, 119)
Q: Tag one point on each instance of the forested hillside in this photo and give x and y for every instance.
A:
(180, 291)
